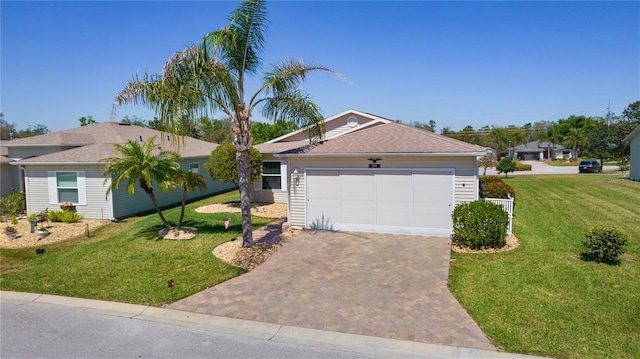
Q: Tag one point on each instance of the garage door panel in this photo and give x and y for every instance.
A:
(396, 213)
(430, 215)
(357, 211)
(387, 201)
(433, 187)
(394, 186)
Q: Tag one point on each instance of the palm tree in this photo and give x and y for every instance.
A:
(142, 164)
(189, 181)
(549, 136)
(575, 132)
(210, 77)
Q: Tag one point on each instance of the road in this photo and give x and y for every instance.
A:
(29, 331)
(541, 168)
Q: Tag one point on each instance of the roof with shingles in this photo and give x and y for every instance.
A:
(95, 142)
(391, 138)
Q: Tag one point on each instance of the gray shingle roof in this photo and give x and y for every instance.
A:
(391, 138)
(95, 142)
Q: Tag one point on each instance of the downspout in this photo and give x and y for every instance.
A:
(22, 174)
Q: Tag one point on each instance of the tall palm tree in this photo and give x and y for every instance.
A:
(189, 181)
(210, 77)
(142, 164)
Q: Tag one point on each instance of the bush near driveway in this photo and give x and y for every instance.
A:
(542, 298)
(480, 225)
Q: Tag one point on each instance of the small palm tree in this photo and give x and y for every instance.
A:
(189, 181)
(210, 77)
(142, 164)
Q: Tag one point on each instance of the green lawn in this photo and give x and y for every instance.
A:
(126, 262)
(541, 298)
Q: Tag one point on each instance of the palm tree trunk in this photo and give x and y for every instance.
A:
(184, 202)
(243, 161)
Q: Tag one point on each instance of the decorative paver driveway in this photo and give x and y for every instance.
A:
(391, 286)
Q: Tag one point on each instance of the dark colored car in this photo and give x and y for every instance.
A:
(591, 166)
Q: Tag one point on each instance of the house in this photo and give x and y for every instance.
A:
(540, 151)
(634, 163)
(369, 174)
(67, 166)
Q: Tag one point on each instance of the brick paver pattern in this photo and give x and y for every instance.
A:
(390, 286)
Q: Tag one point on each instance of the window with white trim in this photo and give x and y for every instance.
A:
(194, 167)
(67, 186)
(271, 175)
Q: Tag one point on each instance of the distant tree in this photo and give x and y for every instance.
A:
(7, 130)
(468, 134)
(499, 138)
(487, 161)
(446, 131)
(263, 132)
(142, 164)
(550, 136)
(189, 181)
(86, 120)
(35, 131)
(506, 165)
(221, 165)
(632, 112)
(216, 131)
(574, 132)
(431, 126)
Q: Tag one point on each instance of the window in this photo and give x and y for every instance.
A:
(67, 186)
(194, 167)
(271, 175)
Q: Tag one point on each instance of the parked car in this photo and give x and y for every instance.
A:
(591, 166)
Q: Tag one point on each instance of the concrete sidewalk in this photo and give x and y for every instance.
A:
(390, 348)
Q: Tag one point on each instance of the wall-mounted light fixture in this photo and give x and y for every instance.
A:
(296, 177)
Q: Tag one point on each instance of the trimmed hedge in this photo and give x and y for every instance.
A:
(498, 190)
(522, 166)
(480, 225)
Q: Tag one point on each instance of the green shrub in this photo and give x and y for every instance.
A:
(522, 166)
(64, 216)
(498, 190)
(505, 166)
(479, 225)
(13, 204)
(489, 179)
(604, 245)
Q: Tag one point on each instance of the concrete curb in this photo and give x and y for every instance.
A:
(391, 348)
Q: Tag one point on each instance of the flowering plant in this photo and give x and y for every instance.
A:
(68, 206)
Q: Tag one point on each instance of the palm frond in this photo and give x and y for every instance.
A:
(298, 107)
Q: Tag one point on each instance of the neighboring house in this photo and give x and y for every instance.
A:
(66, 166)
(9, 175)
(540, 151)
(370, 174)
(634, 164)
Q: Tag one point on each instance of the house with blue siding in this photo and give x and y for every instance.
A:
(66, 166)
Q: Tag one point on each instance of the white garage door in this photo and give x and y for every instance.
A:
(387, 201)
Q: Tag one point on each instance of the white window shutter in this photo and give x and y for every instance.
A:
(53, 187)
(283, 175)
(82, 188)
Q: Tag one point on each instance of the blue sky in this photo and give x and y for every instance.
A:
(457, 63)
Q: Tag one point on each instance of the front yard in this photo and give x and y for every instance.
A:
(541, 298)
(126, 262)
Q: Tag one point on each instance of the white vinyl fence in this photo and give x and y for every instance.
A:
(507, 205)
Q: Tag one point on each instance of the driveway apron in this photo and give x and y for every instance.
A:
(390, 286)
